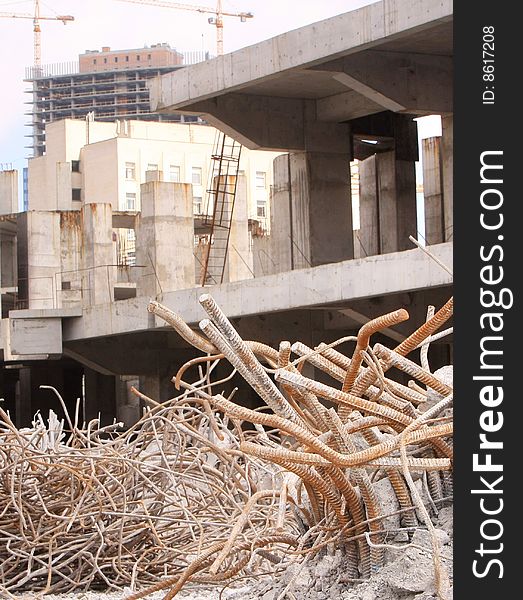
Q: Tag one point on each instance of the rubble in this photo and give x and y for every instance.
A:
(308, 501)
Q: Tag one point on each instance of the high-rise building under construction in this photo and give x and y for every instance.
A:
(104, 85)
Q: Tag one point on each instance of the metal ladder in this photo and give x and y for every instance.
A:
(219, 206)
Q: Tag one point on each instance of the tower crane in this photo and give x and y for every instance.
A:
(36, 17)
(217, 20)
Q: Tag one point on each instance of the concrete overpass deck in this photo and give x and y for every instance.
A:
(392, 55)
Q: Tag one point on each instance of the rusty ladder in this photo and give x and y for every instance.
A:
(219, 208)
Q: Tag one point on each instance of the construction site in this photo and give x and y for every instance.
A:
(225, 346)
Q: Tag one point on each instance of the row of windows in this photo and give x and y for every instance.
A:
(138, 58)
(196, 174)
(130, 203)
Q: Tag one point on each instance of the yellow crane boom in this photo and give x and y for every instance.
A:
(36, 18)
(217, 20)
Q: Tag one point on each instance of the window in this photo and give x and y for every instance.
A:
(126, 59)
(197, 205)
(261, 209)
(75, 166)
(260, 179)
(94, 61)
(149, 57)
(152, 167)
(76, 194)
(174, 173)
(130, 170)
(130, 201)
(115, 59)
(197, 175)
(137, 57)
(105, 61)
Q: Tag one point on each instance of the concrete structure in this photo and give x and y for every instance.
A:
(106, 85)
(342, 89)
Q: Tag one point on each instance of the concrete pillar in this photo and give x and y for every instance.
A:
(8, 192)
(23, 395)
(127, 404)
(69, 282)
(239, 258)
(397, 202)
(275, 253)
(432, 190)
(321, 204)
(99, 272)
(387, 204)
(367, 238)
(165, 238)
(8, 275)
(447, 166)
(100, 397)
(38, 259)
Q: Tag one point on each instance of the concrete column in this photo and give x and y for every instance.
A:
(275, 253)
(397, 202)
(100, 397)
(321, 208)
(367, 242)
(23, 395)
(239, 258)
(38, 259)
(8, 192)
(127, 404)
(99, 272)
(69, 282)
(432, 190)
(165, 238)
(447, 166)
(387, 204)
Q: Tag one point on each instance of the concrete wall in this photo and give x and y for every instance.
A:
(8, 192)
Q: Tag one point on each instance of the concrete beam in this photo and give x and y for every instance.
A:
(345, 106)
(422, 84)
(373, 276)
(273, 123)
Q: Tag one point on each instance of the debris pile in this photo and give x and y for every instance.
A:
(203, 489)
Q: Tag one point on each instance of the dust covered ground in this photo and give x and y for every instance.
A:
(407, 575)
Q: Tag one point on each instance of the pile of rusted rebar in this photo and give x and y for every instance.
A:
(204, 489)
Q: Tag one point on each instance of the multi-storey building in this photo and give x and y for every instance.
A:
(105, 85)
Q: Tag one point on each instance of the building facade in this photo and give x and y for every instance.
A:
(97, 162)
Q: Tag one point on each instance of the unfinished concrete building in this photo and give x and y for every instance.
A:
(352, 94)
(105, 85)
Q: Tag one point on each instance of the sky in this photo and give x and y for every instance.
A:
(122, 25)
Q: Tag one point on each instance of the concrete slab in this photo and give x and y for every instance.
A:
(336, 69)
(300, 289)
